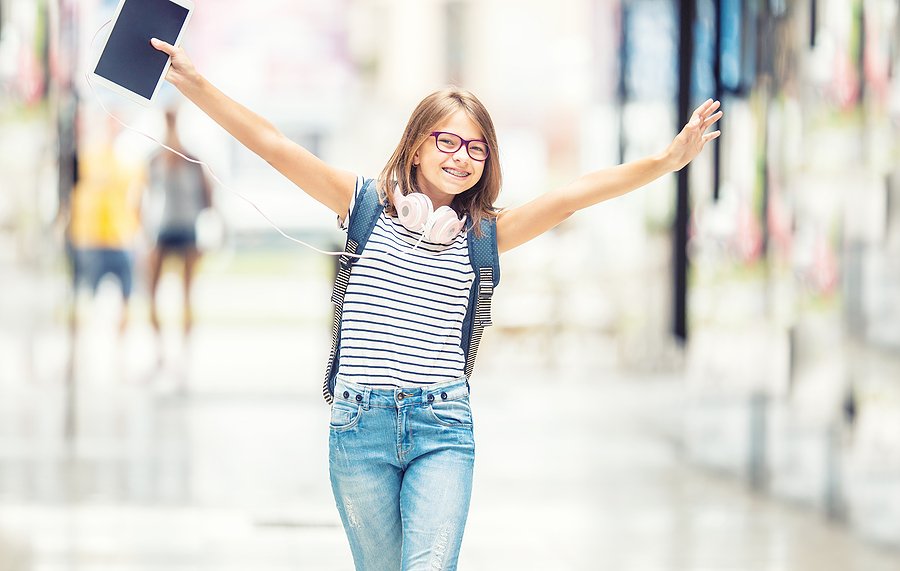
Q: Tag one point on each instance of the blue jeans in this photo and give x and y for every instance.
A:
(401, 471)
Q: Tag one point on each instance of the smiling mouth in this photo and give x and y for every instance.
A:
(456, 173)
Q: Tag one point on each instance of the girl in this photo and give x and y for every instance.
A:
(401, 446)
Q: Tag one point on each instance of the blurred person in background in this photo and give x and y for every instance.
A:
(104, 223)
(179, 191)
(401, 446)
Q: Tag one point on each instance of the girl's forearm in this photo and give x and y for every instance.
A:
(519, 225)
(597, 186)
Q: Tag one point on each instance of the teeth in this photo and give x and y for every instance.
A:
(456, 172)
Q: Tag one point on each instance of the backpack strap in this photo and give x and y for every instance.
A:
(366, 210)
(485, 261)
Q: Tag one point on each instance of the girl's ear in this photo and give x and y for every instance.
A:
(416, 159)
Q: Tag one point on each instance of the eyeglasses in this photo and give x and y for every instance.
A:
(450, 143)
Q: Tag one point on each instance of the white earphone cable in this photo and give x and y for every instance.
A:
(217, 179)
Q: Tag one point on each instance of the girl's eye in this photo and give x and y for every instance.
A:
(478, 153)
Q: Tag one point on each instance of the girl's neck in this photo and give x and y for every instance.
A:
(437, 198)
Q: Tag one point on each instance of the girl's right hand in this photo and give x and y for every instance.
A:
(181, 71)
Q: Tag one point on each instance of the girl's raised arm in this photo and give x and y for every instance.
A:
(519, 225)
(330, 186)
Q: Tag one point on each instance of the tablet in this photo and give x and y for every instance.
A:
(128, 64)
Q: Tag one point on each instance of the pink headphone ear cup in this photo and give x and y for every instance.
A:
(445, 227)
(413, 210)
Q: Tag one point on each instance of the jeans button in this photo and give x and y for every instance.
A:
(400, 396)
(358, 398)
(430, 398)
(346, 395)
(443, 396)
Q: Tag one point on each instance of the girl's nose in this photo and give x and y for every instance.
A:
(461, 154)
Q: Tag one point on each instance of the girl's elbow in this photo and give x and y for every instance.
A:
(274, 148)
(558, 217)
(566, 203)
(565, 209)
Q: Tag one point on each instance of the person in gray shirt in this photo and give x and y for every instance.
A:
(185, 192)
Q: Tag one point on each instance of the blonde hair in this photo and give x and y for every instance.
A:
(477, 202)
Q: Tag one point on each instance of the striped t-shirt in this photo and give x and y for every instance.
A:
(403, 310)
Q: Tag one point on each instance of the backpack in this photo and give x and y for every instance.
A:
(483, 256)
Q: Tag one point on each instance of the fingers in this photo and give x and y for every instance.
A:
(702, 113)
(697, 115)
(703, 117)
(712, 119)
(707, 107)
(163, 46)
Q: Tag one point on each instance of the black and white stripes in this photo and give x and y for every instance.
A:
(403, 309)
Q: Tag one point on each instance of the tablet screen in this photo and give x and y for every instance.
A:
(128, 59)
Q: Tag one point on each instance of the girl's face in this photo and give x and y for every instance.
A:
(443, 175)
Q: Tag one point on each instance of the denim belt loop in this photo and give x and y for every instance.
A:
(367, 393)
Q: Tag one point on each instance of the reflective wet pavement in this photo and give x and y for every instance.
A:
(217, 459)
(573, 474)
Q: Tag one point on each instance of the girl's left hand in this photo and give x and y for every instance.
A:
(689, 142)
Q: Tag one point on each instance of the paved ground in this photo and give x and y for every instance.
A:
(217, 459)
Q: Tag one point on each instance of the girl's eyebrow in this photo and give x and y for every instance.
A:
(481, 138)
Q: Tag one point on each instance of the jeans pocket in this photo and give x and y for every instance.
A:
(451, 412)
(344, 415)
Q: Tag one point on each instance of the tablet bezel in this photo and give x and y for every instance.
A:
(125, 92)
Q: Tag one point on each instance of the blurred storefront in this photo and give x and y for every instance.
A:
(792, 353)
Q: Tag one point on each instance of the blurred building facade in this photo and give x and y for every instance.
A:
(792, 349)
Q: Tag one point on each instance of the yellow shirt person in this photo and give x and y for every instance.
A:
(105, 219)
(105, 202)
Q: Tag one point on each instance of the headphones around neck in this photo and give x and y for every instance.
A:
(416, 212)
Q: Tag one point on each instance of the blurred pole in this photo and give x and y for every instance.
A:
(860, 9)
(455, 53)
(813, 20)
(621, 90)
(64, 98)
(682, 204)
(766, 85)
(717, 78)
(757, 470)
(835, 508)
